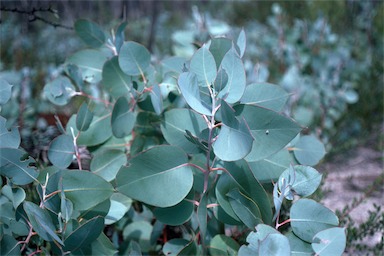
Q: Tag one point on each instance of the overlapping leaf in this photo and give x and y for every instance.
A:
(90, 33)
(134, 58)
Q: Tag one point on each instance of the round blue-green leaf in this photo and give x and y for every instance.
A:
(8, 139)
(303, 180)
(309, 150)
(177, 214)
(106, 163)
(309, 217)
(90, 33)
(158, 177)
(265, 95)
(275, 245)
(139, 231)
(134, 58)
(173, 64)
(61, 151)
(235, 87)
(90, 63)
(330, 242)
(298, 246)
(204, 66)
(191, 92)
(120, 204)
(85, 189)
(41, 222)
(84, 117)
(175, 124)
(59, 91)
(219, 47)
(123, 118)
(5, 91)
(174, 246)
(9, 246)
(85, 234)
(15, 194)
(115, 81)
(271, 131)
(16, 166)
(99, 130)
(223, 245)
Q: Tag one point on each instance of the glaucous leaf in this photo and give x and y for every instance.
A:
(85, 189)
(5, 91)
(221, 80)
(15, 194)
(9, 246)
(298, 246)
(302, 180)
(177, 214)
(61, 151)
(90, 63)
(139, 231)
(174, 246)
(90, 33)
(158, 177)
(106, 163)
(134, 58)
(308, 150)
(271, 131)
(233, 66)
(245, 208)
(275, 245)
(254, 240)
(103, 246)
(115, 81)
(17, 166)
(219, 47)
(242, 178)
(41, 222)
(84, 117)
(309, 217)
(223, 245)
(99, 131)
(84, 234)
(123, 118)
(265, 95)
(175, 124)
(173, 64)
(8, 139)
(156, 99)
(204, 66)
(120, 204)
(190, 90)
(202, 215)
(331, 241)
(270, 168)
(241, 43)
(120, 36)
(59, 91)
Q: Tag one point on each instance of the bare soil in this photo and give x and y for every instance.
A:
(349, 175)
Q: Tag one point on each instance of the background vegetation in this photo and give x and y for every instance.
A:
(327, 54)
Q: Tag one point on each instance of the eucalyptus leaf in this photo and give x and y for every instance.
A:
(174, 246)
(15, 194)
(41, 222)
(8, 139)
(16, 166)
(9, 246)
(298, 246)
(309, 150)
(84, 117)
(265, 95)
(90, 33)
(134, 58)
(84, 234)
(120, 204)
(271, 131)
(223, 245)
(139, 231)
(61, 151)
(190, 90)
(156, 99)
(5, 91)
(175, 124)
(308, 218)
(235, 87)
(241, 42)
(85, 189)
(219, 47)
(158, 177)
(90, 63)
(202, 216)
(106, 163)
(123, 118)
(115, 81)
(59, 91)
(204, 66)
(330, 242)
(120, 36)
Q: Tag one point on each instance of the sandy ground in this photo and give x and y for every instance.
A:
(348, 176)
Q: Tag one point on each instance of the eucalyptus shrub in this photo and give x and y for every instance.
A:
(182, 143)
